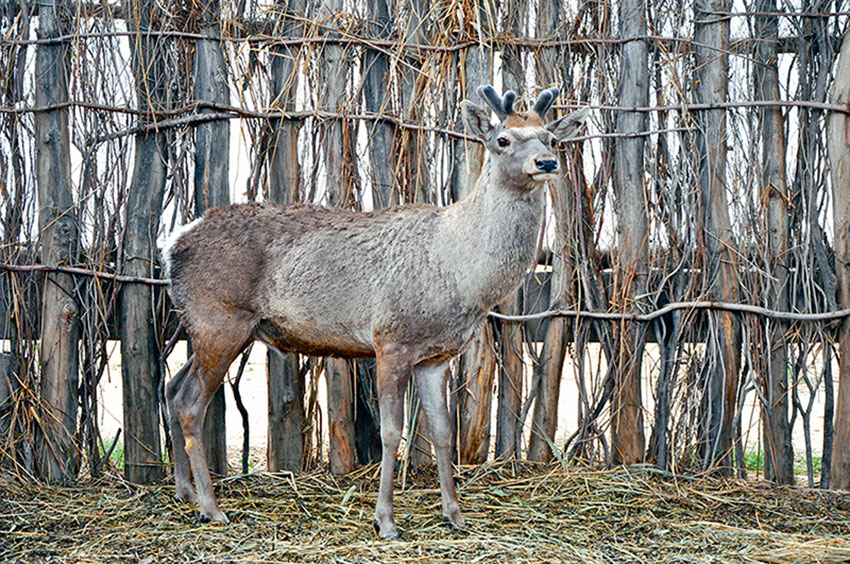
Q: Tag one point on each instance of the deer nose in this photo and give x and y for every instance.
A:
(546, 165)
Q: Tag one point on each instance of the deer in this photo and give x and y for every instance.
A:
(409, 286)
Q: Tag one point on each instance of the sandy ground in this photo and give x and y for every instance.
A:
(255, 396)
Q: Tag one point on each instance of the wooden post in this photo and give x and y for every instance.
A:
(140, 366)
(341, 178)
(212, 184)
(342, 448)
(627, 434)
(778, 450)
(838, 144)
(478, 367)
(711, 38)
(60, 327)
(377, 99)
(548, 374)
(477, 364)
(510, 340)
(286, 439)
(413, 162)
(544, 419)
(5, 395)
(367, 420)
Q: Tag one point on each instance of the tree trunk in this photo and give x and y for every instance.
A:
(342, 445)
(377, 99)
(414, 167)
(510, 341)
(508, 422)
(367, 419)
(286, 439)
(778, 451)
(548, 373)
(212, 185)
(140, 366)
(60, 327)
(545, 417)
(476, 365)
(341, 178)
(838, 145)
(5, 396)
(413, 164)
(627, 433)
(382, 158)
(474, 398)
(711, 37)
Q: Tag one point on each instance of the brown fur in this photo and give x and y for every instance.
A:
(530, 119)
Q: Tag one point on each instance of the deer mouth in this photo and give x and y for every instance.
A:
(543, 176)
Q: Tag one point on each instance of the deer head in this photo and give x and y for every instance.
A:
(521, 145)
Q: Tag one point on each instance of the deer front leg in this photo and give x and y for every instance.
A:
(393, 375)
(431, 383)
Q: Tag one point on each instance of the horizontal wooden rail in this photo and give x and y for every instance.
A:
(675, 306)
(83, 272)
(601, 315)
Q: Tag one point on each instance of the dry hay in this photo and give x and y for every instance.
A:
(516, 513)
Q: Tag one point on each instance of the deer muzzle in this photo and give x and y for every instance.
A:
(546, 165)
(542, 168)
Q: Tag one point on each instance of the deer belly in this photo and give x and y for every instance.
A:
(315, 337)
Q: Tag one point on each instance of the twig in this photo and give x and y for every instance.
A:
(83, 272)
(703, 305)
(278, 114)
(240, 405)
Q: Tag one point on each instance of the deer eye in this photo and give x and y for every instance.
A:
(503, 141)
(554, 142)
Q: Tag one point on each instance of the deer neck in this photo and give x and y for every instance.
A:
(498, 235)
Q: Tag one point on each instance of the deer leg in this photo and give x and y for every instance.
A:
(182, 475)
(431, 383)
(191, 403)
(392, 383)
(213, 354)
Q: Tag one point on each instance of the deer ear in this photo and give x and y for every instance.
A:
(477, 120)
(569, 125)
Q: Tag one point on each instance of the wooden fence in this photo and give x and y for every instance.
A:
(696, 218)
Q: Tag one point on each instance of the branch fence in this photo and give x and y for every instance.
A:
(689, 314)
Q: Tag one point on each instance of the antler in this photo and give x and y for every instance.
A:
(503, 106)
(545, 101)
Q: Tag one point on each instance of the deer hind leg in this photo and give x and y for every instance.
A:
(214, 351)
(393, 374)
(182, 474)
(431, 383)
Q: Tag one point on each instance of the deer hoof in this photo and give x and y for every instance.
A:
(188, 497)
(454, 526)
(219, 518)
(393, 536)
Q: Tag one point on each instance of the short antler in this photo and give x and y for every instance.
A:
(503, 106)
(545, 101)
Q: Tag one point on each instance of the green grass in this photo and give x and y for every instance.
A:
(116, 457)
(754, 460)
(800, 465)
(754, 463)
